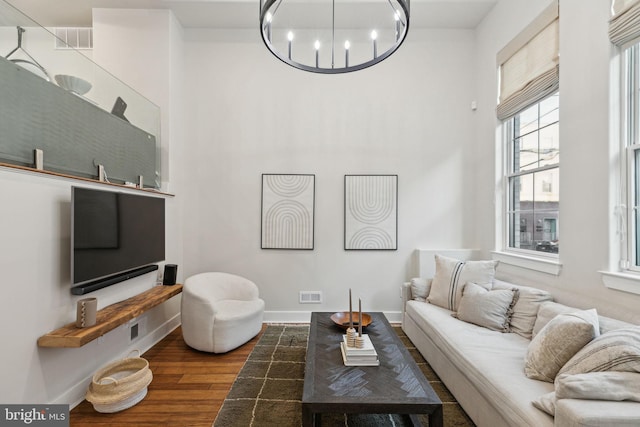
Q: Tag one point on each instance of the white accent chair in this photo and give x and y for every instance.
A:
(220, 311)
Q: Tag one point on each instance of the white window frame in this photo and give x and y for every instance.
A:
(629, 149)
(546, 262)
(626, 277)
(509, 174)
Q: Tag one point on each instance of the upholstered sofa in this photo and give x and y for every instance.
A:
(485, 368)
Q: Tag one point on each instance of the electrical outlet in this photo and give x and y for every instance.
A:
(134, 331)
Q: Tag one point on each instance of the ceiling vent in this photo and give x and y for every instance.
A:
(74, 37)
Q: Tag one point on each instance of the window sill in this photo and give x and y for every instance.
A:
(626, 282)
(549, 266)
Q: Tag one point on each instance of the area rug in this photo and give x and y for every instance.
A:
(268, 389)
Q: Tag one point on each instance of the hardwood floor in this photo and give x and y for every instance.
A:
(188, 387)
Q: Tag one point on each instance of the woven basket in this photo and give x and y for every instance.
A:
(119, 385)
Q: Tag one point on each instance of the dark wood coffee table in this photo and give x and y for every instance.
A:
(397, 386)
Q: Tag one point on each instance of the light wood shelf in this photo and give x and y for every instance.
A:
(109, 318)
(44, 172)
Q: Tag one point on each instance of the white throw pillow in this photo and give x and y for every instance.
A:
(420, 288)
(617, 350)
(558, 342)
(451, 275)
(490, 309)
(525, 310)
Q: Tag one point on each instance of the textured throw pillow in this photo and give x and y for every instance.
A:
(490, 309)
(525, 310)
(451, 275)
(558, 342)
(617, 350)
(548, 311)
(420, 289)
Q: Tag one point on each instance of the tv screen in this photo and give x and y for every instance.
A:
(113, 233)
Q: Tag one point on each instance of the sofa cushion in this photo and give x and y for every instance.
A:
(558, 341)
(617, 350)
(420, 288)
(525, 310)
(490, 309)
(451, 275)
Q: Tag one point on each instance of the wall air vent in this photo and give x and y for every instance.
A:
(310, 297)
(74, 37)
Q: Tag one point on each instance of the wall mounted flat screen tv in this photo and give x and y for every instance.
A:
(114, 236)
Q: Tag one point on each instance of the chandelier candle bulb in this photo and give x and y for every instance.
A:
(347, 45)
(374, 37)
(317, 46)
(290, 38)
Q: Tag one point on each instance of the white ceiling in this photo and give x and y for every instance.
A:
(240, 13)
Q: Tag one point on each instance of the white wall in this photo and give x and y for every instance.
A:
(35, 265)
(585, 113)
(35, 230)
(249, 114)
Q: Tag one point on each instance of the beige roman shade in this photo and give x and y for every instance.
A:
(625, 22)
(529, 66)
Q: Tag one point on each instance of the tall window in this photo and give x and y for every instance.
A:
(624, 33)
(533, 157)
(528, 104)
(631, 152)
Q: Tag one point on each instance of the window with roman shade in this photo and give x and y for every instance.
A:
(528, 106)
(529, 65)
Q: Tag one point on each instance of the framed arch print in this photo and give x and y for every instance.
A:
(288, 209)
(371, 212)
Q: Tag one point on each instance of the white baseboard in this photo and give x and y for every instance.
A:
(76, 393)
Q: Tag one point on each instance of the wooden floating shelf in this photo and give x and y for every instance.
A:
(109, 318)
(80, 178)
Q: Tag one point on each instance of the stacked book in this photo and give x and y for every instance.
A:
(364, 356)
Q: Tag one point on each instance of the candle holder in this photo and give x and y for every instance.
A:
(351, 337)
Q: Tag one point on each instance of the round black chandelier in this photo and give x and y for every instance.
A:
(333, 36)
